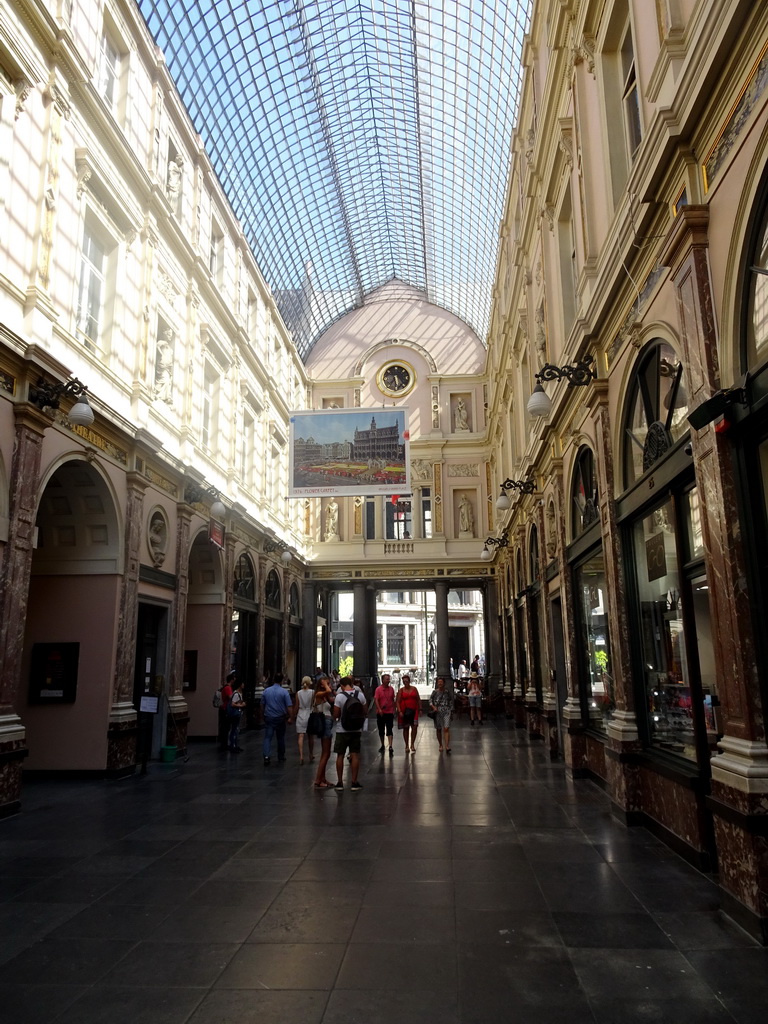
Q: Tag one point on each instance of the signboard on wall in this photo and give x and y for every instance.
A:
(53, 673)
(349, 451)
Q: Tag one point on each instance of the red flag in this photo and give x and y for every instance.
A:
(395, 498)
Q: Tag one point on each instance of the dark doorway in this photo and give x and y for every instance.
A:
(458, 641)
(150, 677)
(273, 645)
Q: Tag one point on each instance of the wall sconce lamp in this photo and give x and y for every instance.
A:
(524, 486)
(194, 494)
(274, 545)
(494, 542)
(47, 395)
(577, 375)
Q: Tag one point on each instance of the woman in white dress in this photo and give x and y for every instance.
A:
(302, 706)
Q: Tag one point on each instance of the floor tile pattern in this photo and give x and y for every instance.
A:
(481, 886)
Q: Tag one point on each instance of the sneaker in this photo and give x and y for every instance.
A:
(339, 785)
(381, 749)
(266, 760)
(355, 785)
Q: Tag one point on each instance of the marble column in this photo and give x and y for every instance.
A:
(308, 628)
(574, 743)
(443, 633)
(177, 704)
(493, 634)
(360, 629)
(622, 741)
(739, 796)
(30, 425)
(123, 722)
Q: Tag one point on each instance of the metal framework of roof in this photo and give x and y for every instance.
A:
(358, 141)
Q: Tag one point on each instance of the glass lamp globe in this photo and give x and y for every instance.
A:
(218, 510)
(502, 502)
(539, 404)
(81, 413)
(485, 554)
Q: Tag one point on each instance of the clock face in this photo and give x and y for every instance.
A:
(396, 379)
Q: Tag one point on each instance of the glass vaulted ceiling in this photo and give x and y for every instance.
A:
(357, 140)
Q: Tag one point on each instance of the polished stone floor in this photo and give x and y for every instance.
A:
(480, 887)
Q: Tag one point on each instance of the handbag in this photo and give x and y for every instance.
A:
(315, 724)
(432, 715)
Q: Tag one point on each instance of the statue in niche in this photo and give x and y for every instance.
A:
(332, 520)
(461, 419)
(157, 539)
(173, 184)
(164, 367)
(466, 518)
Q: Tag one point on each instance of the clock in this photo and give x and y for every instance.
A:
(396, 379)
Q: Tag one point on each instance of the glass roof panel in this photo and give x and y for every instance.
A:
(357, 140)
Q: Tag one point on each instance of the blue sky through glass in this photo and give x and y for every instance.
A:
(366, 139)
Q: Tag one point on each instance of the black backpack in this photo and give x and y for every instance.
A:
(352, 713)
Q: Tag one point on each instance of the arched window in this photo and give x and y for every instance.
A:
(756, 320)
(656, 410)
(533, 555)
(244, 584)
(272, 590)
(584, 507)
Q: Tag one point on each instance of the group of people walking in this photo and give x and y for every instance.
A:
(319, 709)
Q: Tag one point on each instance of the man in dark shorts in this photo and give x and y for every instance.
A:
(347, 741)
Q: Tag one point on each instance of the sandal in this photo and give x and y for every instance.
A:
(323, 785)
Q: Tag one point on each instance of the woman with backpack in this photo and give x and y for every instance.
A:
(408, 709)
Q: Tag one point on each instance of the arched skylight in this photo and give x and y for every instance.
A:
(358, 141)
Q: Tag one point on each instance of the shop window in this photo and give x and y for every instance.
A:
(656, 410)
(584, 503)
(596, 681)
(674, 639)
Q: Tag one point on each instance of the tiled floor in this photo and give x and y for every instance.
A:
(484, 887)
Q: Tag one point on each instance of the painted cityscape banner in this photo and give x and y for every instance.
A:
(349, 451)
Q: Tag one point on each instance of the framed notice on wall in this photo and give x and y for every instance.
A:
(53, 673)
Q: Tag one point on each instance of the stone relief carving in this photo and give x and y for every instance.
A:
(464, 469)
(541, 336)
(166, 287)
(421, 469)
(173, 183)
(530, 144)
(435, 408)
(164, 367)
(157, 538)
